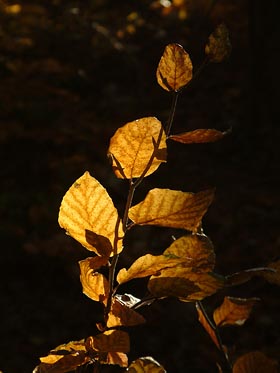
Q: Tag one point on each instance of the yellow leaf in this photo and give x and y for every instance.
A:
(198, 136)
(175, 68)
(95, 285)
(203, 321)
(145, 365)
(132, 146)
(273, 277)
(234, 311)
(255, 362)
(218, 47)
(187, 286)
(109, 341)
(172, 208)
(116, 358)
(88, 214)
(121, 315)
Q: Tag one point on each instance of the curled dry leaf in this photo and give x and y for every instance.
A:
(218, 47)
(273, 277)
(241, 277)
(145, 365)
(234, 311)
(203, 321)
(95, 285)
(121, 315)
(133, 145)
(175, 68)
(255, 362)
(172, 208)
(198, 136)
(88, 214)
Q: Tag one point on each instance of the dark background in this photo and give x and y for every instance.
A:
(71, 73)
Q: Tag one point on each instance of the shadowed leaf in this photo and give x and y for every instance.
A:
(172, 208)
(121, 315)
(198, 136)
(132, 146)
(175, 68)
(203, 321)
(87, 214)
(218, 47)
(273, 277)
(241, 277)
(255, 362)
(145, 365)
(234, 311)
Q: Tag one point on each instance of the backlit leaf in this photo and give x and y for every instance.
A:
(172, 208)
(255, 362)
(241, 277)
(109, 341)
(88, 214)
(198, 136)
(132, 146)
(116, 358)
(175, 68)
(145, 365)
(273, 277)
(121, 315)
(95, 285)
(218, 47)
(203, 321)
(234, 311)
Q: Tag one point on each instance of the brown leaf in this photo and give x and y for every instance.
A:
(234, 311)
(241, 277)
(145, 365)
(88, 214)
(172, 208)
(175, 68)
(133, 145)
(198, 136)
(273, 277)
(109, 341)
(203, 321)
(255, 362)
(121, 315)
(218, 47)
(95, 285)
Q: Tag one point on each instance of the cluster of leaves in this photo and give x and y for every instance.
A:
(184, 270)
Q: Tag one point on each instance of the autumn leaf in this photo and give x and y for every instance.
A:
(255, 362)
(234, 311)
(198, 136)
(241, 277)
(88, 214)
(95, 285)
(172, 208)
(116, 358)
(109, 341)
(145, 365)
(203, 321)
(121, 315)
(218, 47)
(175, 68)
(133, 145)
(273, 277)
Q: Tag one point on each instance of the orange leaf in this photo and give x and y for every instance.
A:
(87, 214)
(241, 277)
(145, 365)
(172, 208)
(121, 315)
(95, 285)
(234, 311)
(116, 358)
(198, 136)
(273, 277)
(133, 145)
(207, 326)
(175, 68)
(218, 47)
(255, 362)
(109, 341)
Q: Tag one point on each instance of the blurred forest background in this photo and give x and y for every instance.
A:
(71, 73)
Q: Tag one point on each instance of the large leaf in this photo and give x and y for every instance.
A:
(88, 214)
(145, 365)
(234, 311)
(175, 68)
(255, 362)
(133, 145)
(218, 47)
(198, 136)
(121, 315)
(172, 208)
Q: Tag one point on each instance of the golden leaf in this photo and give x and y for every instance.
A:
(145, 365)
(175, 68)
(198, 136)
(203, 321)
(241, 277)
(121, 315)
(218, 47)
(109, 341)
(133, 145)
(88, 214)
(234, 311)
(255, 362)
(95, 285)
(116, 358)
(273, 277)
(172, 208)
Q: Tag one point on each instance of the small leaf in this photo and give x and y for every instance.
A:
(95, 285)
(172, 208)
(88, 215)
(273, 277)
(207, 326)
(198, 136)
(127, 299)
(255, 362)
(241, 277)
(116, 358)
(175, 68)
(121, 315)
(133, 145)
(109, 341)
(234, 311)
(218, 47)
(145, 365)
